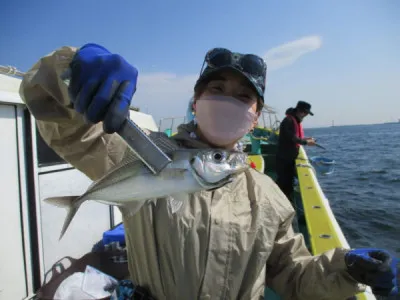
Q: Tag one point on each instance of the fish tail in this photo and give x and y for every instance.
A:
(67, 202)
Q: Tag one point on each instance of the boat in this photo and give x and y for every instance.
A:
(31, 171)
(398, 122)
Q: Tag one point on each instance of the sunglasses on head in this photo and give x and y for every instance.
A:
(249, 63)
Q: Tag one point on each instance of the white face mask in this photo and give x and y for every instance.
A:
(222, 119)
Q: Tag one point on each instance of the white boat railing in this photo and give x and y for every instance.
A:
(10, 70)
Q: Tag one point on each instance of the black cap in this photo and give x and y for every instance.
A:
(304, 106)
(257, 83)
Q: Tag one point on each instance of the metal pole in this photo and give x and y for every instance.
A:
(270, 121)
(172, 124)
(263, 119)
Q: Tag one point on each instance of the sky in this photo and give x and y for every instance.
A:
(341, 56)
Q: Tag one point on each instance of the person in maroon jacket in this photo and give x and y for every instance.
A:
(291, 136)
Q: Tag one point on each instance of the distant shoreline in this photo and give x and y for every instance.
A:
(352, 125)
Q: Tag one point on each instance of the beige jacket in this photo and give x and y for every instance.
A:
(223, 244)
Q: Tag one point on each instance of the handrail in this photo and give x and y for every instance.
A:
(10, 70)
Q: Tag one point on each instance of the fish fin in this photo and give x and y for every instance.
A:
(68, 202)
(63, 201)
(71, 214)
(176, 202)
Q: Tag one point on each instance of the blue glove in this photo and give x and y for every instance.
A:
(102, 85)
(126, 290)
(376, 268)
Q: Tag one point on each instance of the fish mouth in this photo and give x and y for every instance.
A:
(204, 183)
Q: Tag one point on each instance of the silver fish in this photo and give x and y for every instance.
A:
(191, 170)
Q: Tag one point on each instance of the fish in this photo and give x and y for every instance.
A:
(190, 171)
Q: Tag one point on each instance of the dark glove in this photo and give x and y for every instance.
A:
(376, 268)
(126, 289)
(102, 85)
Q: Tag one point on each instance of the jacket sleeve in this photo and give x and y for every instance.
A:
(288, 130)
(85, 146)
(293, 273)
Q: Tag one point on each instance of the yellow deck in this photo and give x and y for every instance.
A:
(323, 229)
(258, 161)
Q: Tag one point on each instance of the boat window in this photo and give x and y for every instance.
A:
(46, 155)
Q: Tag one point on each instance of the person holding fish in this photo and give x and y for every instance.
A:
(229, 234)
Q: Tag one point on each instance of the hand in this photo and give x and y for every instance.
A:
(310, 142)
(376, 268)
(102, 86)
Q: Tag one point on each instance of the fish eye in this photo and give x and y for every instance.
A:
(218, 156)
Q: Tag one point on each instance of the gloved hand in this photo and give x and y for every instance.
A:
(102, 85)
(376, 268)
(126, 289)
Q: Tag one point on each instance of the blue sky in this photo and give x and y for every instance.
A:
(342, 56)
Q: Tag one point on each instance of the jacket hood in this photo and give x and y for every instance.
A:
(185, 137)
(290, 111)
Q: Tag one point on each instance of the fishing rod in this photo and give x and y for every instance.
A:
(319, 146)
